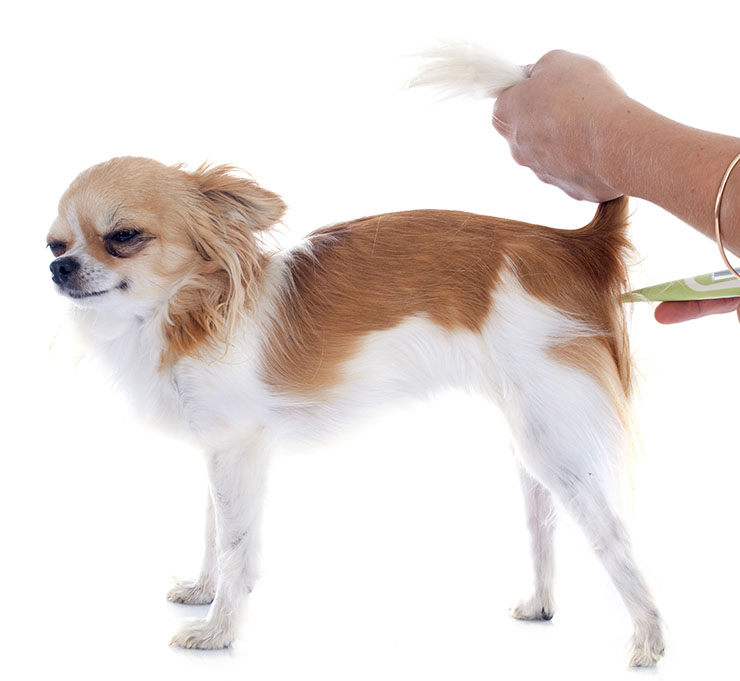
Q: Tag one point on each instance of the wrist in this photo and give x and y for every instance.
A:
(620, 137)
(675, 166)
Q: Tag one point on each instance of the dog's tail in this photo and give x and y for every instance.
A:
(461, 69)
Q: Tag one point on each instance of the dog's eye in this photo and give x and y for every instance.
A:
(57, 248)
(122, 235)
(125, 242)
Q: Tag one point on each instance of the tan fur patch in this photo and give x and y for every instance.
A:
(592, 356)
(370, 274)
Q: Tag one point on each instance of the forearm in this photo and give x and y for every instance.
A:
(679, 168)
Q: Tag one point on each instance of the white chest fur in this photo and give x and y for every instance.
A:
(212, 400)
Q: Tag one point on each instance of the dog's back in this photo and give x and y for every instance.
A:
(368, 275)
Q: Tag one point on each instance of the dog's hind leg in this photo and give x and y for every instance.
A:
(569, 431)
(540, 514)
(610, 540)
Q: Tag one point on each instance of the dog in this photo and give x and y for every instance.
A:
(234, 346)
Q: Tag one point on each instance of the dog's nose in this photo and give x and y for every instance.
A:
(62, 269)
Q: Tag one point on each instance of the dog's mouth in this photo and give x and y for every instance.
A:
(77, 295)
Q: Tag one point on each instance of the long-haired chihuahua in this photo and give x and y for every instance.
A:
(234, 345)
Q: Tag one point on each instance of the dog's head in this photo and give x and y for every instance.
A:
(134, 236)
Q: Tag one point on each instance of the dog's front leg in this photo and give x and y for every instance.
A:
(237, 479)
(202, 590)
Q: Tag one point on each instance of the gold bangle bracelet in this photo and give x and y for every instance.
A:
(717, 208)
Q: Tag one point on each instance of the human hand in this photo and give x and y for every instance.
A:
(557, 119)
(681, 311)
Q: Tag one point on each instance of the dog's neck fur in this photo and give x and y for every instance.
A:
(133, 342)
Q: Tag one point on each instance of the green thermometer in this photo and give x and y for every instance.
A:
(723, 284)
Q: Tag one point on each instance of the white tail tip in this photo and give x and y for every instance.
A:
(464, 70)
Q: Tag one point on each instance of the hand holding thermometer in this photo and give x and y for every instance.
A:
(722, 284)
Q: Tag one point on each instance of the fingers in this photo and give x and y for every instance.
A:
(500, 125)
(551, 135)
(682, 311)
(500, 117)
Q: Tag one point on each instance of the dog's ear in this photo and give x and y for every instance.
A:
(223, 213)
(238, 198)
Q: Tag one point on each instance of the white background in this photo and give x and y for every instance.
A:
(395, 550)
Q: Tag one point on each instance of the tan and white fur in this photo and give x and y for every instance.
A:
(235, 346)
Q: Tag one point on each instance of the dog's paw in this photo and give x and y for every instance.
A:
(648, 647)
(534, 609)
(191, 593)
(204, 635)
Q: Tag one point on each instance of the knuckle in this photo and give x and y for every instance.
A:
(500, 106)
(500, 118)
(553, 55)
(518, 156)
(544, 177)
